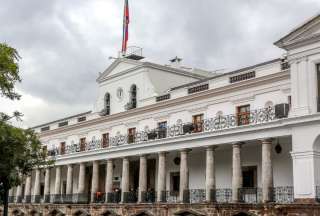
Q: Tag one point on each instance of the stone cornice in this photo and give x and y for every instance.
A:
(173, 102)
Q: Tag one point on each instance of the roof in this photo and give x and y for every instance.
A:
(228, 73)
(297, 30)
(62, 119)
(193, 72)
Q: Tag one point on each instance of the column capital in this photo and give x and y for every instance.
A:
(163, 153)
(238, 144)
(185, 150)
(110, 160)
(211, 148)
(143, 155)
(266, 140)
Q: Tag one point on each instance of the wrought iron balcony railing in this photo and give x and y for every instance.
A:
(253, 117)
(282, 195)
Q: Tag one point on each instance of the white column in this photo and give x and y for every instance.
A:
(18, 194)
(95, 179)
(36, 191)
(142, 179)
(266, 169)
(236, 171)
(69, 179)
(161, 189)
(57, 186)
(184, 175)
(47, 185)
(82, 177)
(125, 179)
(210, 174)
(109, 177)
(27, 190)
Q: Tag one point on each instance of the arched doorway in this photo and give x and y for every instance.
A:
(109, 213)
(81, 212)
(56, 212)
(18, 212)
(189, 212)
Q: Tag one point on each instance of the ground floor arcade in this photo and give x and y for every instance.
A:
(243, 172)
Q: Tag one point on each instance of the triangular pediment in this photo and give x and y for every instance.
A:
(119, 66)
(308, 32)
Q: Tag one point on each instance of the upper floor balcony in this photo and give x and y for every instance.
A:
(242, 118)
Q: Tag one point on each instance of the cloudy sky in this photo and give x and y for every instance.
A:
(64, 44)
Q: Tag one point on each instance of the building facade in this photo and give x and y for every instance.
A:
(171, 140)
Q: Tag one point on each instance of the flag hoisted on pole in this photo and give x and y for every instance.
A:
(125, 36)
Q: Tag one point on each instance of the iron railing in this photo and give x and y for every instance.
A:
(197, 195)
(283, 194)
(113, 197)
(250, 195)
(130, 197)
(258, 116)
(223, 195)
(148, 196)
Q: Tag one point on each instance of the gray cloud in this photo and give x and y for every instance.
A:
(64, 44)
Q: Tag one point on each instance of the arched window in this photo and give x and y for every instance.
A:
(219, 114)
(107, 103)
(133, 96)
(268, 104)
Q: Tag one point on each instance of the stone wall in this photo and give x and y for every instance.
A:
(166, 209)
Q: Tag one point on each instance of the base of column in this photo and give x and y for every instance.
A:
(185, 197)
(212, 196)
(162, 197)
(305, 201)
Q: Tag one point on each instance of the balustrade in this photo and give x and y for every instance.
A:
(207, 125)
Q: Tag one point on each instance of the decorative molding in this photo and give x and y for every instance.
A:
(115, 118)
(242, 99)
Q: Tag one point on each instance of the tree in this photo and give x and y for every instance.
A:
(20, 149)
(9, 71)
(20, 152)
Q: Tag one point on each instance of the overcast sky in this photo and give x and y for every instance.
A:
(64, 44)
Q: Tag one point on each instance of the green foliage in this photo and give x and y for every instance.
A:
(9, 71)
(20, 152)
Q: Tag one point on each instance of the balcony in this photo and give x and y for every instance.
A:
(283, 195)
(254, 117)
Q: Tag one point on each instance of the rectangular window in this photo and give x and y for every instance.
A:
(163, 97)
(41, 189)
(243, 115)
(175, 183)
(242, 77)
(81, 119)
(197, 121)
(83, 144)
(45, 128)
(162, 130)
(131, 135)
(62, 148)
(198, 88)
(105, 140)
(64, 187)
(289, 101)
(62, 124)
(318, 84)
(249, 179)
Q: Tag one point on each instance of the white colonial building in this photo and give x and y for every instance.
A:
(172, 134)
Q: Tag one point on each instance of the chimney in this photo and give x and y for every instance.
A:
(175, 62)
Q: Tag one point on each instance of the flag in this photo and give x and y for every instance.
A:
(125, 36)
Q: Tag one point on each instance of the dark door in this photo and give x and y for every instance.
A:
(249, 175)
